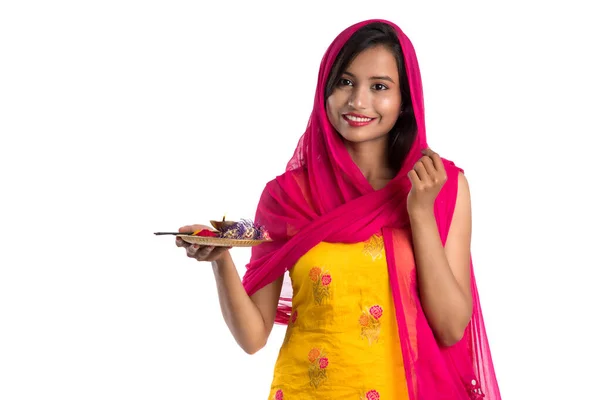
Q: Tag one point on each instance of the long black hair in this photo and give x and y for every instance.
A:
(402, 135)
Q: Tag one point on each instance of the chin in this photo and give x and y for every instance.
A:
(360, 136)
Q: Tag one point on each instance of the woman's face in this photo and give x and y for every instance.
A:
(365, 103)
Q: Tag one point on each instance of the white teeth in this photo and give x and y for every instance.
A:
(357, 119)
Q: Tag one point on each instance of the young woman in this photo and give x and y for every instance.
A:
(374, 229)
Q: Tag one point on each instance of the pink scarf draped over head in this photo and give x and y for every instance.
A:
(323, 196)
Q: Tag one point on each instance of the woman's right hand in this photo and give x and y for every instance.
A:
(199, 252)
(249, 318)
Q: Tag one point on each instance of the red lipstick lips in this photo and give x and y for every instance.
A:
(357, 120)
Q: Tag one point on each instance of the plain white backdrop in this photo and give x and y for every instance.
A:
(122, 118)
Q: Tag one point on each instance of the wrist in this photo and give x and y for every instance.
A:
(222, 260)
(417, 214)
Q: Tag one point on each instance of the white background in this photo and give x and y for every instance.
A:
(122, 118)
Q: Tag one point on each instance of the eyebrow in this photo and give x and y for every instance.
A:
(379, 78)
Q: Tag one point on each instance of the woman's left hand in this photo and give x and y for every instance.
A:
(427, 178)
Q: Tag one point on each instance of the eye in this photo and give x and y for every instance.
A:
(379, 86)
(345, 82)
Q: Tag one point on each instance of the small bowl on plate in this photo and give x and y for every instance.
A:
(222, 226)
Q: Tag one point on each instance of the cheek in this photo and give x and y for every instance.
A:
(328, 105)
(389, 107)
(332, 107)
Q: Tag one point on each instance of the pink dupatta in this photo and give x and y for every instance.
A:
(323, 196)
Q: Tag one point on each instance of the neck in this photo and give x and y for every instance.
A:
(372, 159)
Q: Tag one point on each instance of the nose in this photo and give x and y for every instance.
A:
(359, 98)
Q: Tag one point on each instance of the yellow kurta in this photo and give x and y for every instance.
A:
(342, 339)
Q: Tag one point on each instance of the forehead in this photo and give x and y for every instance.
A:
(378, 60)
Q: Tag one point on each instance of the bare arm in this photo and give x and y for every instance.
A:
(444, 273)
(250, 319)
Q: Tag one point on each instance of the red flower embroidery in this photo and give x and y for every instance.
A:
(326, 279)
(279, 395)
(323, 362)
(372, 395)
(376, 312)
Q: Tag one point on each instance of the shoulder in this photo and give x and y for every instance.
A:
(462, 182)
(454, 208)
(451, 167)
(458, 192)
(455, 177)
(455, 192)
(463, 192)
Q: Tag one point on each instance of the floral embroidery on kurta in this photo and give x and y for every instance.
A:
(317, 370)
(370, 395)
(370, 324)
(374, 247)
(341, 302)
(321, 281)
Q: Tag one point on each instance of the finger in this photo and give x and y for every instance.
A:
(428, 152)
(414, 178)
(203, 252)
(422, 172)
(435, 157)
(437, 161)
(187, 228)
(429, 167)
(179, 242)
(192, 228)
(192, 250)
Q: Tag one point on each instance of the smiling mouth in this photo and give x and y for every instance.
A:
(357, 118)
(356, 121)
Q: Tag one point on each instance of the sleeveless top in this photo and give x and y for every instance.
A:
(342, 338)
